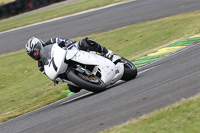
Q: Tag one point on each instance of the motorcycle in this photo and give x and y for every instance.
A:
(87, 70)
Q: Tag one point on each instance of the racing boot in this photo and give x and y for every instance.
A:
(74, 88)
(109, 54)
(90, 45)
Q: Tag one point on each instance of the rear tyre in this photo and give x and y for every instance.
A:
(90, 83)
(130, 71)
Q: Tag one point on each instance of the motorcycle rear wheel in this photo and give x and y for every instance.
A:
(130, 71)
(90, 83)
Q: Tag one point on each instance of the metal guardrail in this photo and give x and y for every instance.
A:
(20, 6)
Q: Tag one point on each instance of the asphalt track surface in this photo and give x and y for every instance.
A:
(97, 21)
(157, 85)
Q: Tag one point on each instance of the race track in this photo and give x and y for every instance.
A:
(97, 21)
(157, 85)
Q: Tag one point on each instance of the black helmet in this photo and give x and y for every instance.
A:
(33, 47)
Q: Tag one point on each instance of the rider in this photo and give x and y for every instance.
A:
(34, 48)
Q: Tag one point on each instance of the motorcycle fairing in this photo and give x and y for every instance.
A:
(109, 71)
(56, 64)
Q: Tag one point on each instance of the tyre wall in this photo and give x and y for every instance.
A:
(20, 6)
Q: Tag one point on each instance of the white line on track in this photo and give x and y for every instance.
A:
(146, 70)
(88, 93)
(87, 11)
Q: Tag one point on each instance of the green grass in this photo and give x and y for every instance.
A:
(55, 13)
(23, 88)
(183, 117)
(140, 39)
(5, 1)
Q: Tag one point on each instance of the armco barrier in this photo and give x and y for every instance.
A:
(20, 6)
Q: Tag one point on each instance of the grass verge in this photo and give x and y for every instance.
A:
(23, 88)
(5, 1)
(183, 117)
(55, 13)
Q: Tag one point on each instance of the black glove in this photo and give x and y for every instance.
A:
(90, 41)
(62, 44)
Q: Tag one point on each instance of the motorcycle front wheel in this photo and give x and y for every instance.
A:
(90, 83)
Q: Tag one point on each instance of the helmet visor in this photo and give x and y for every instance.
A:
(36, 52)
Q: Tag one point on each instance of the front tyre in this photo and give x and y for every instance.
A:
(90, 83)
(130, 71)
